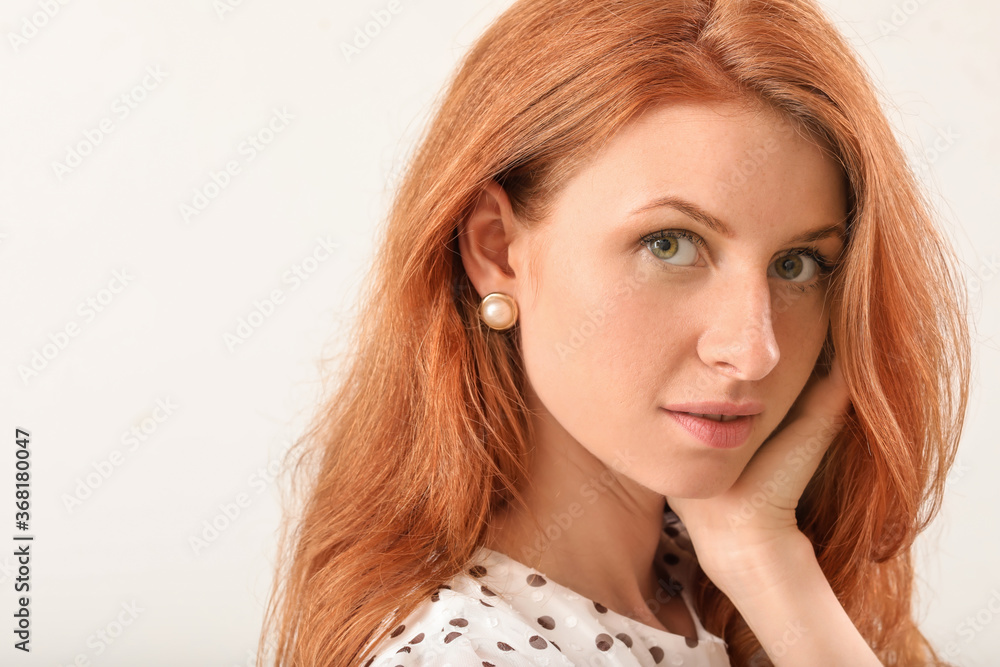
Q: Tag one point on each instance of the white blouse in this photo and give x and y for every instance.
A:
(500, 612)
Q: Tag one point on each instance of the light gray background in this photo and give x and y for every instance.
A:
(329, 173)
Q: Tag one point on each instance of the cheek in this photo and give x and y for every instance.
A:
(800, 324)
(592, 346)
(597, 325)
(800, 332)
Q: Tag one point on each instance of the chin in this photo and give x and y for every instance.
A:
(696, 489)
(698, 494)
(701, 481)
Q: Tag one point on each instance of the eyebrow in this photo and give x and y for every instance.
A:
(701, 215)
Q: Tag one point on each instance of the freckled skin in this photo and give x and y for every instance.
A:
(610, 330)
(673, 334)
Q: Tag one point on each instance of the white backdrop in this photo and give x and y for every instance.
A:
(188, 197)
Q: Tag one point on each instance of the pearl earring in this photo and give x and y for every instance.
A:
(498, 311)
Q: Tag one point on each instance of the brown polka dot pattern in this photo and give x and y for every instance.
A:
(671, 586)
(536, 580)
(436, 595)
(526, 618)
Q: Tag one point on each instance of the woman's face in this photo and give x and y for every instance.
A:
(631, 301)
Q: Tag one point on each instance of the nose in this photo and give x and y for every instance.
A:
(739, 338)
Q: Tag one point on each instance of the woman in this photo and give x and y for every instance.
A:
(662, 361)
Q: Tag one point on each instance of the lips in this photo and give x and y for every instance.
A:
(718, 418)
(715, 408)
(730, 432)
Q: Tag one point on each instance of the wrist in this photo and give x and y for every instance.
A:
(761, 564)
(780, 590)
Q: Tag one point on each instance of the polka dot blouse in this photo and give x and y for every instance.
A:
(500, 612)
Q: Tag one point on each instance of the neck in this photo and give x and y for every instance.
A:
(586, 526)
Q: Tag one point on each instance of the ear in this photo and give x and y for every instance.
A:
(484, 240)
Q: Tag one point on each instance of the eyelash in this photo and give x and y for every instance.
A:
(825, 266)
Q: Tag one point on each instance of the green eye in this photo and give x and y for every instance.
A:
(675, 247)
(678, 247)
(799, 268)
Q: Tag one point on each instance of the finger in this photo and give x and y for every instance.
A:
(823, 398)
(792, 455)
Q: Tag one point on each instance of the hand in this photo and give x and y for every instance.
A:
(752, 526)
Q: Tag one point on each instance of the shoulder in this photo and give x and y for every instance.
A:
(465, 625)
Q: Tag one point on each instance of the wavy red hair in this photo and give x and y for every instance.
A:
(425, 434)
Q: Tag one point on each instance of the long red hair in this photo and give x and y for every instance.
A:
(425, 433)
